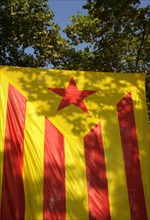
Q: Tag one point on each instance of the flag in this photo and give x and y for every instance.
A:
(73, 145)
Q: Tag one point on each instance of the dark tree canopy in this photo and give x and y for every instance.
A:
(116, 35)
(28, 24)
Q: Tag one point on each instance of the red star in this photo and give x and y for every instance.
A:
(72, 95)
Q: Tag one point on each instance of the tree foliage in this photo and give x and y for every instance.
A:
(27, 25)
(116, 35)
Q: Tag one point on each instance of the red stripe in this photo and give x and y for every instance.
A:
(54, 174)
(13, 201)
(131, 158)
(96, 175)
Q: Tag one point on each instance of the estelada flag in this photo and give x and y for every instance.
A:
(73, 145)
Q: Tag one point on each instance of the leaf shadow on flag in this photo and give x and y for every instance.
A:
(12, 189)
(73, 122)
(110, 87)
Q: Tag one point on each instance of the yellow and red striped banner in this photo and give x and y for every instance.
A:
(73, 145)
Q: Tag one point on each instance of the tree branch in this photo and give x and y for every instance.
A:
(141, 44)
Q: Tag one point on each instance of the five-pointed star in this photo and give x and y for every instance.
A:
(72, 95)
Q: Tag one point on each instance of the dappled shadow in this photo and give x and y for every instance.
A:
(73, 122)
(110, 89)
(12, 204)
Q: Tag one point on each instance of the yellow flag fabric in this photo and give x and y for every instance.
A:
(73, 145)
